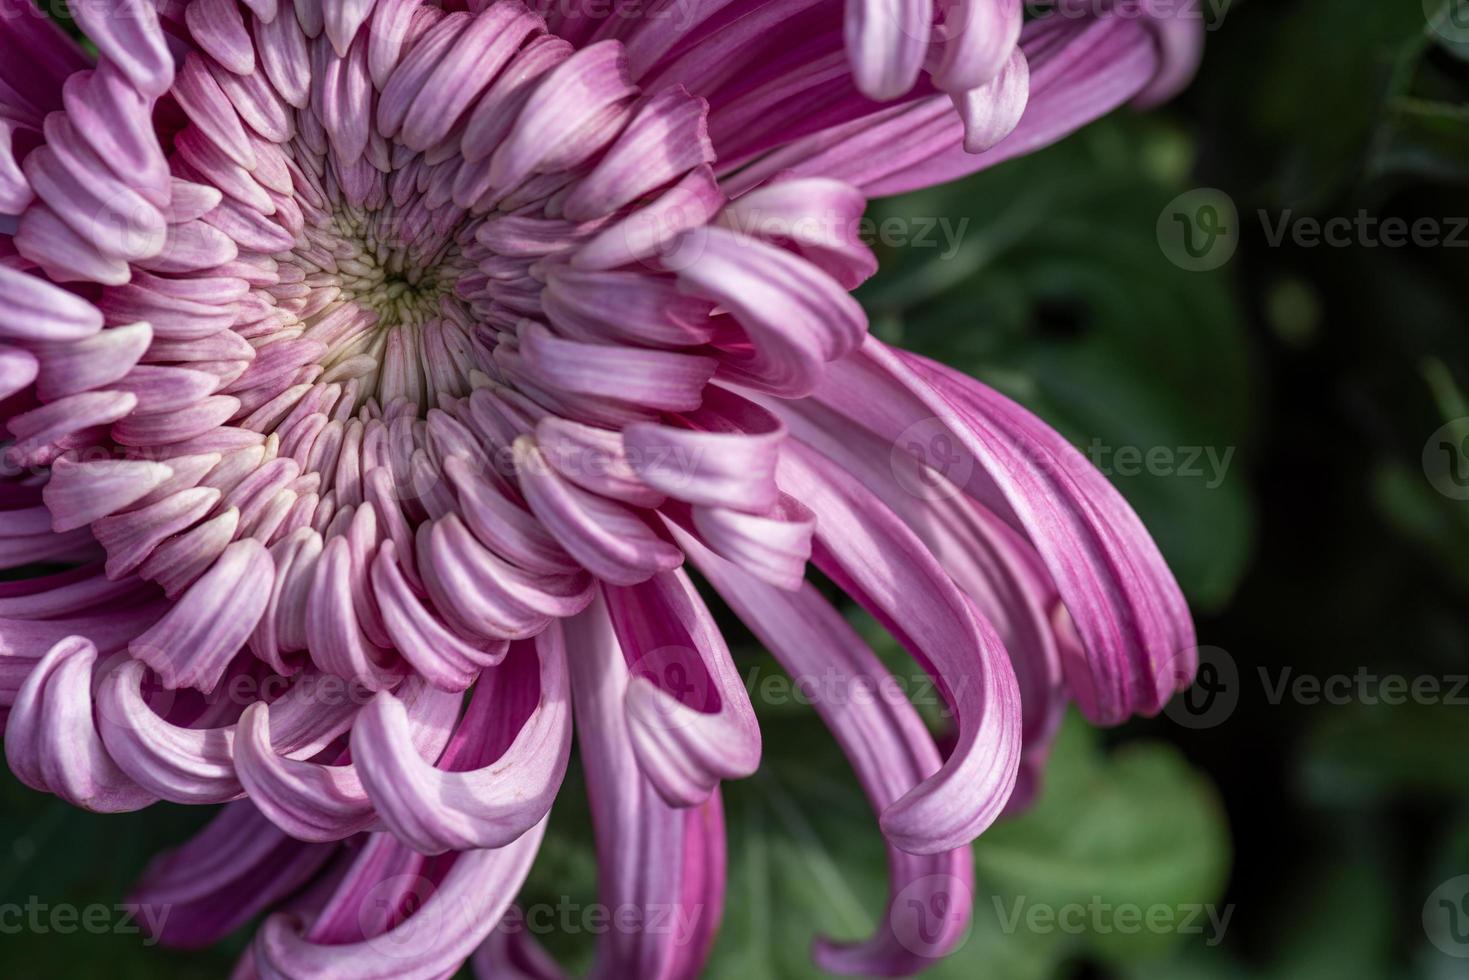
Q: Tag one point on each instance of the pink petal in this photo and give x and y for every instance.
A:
(688, 714)
(887, 40)
(500, 772)
(877, 560)
(128, 33)
(891, 750)
(196, 639)
(236, 867)
(666, 138)
(480, 883)
(79, 493)
(653, 855)
(51, 743)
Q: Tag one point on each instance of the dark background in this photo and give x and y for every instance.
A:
(1325, 550)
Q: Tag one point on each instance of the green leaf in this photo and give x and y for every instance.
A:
(1373, 752)
(1136, 827)
(59, 862)
(1337, 926)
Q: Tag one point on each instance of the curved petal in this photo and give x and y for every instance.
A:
(795, 317)
(887, 41)
(721, 454)
(237, 866)
(34, 309)
(51, 743)
(326, 801)
(688, 715)
(654, 855)
(307, 800)
(977, 42)
(870, 554)
(429, 944)
(195, 640)
(889, 747)
(502, 769)
(128, 33)
(196, 765)
(1124, 602)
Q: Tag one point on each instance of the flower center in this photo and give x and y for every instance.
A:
(379, 294)
(421, 355)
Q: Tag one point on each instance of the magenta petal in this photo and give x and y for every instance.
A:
(18, 368)
(1097, 66)
(559, 125)
(326, 801)
(282, 49)
(79, 493)
(34, 309)
(500, 772)
(877, 560)
(819, 217)
(195, 765)
(887, 40)
(978, 42)
(65, 256)
(96, 361)
(308, 800)
(774, 546)
(342, 20)
(438, 654)
(461, 910)
(238, 865)
(612, 541)
(992, 111)
(888, 745)
(688, 715)
(1126, 605)
(656, 379)
(795, 317)
(470, 66)
(128, 33)
(666, 138)
(51, 743)
(1180, 36)
(657, 228)
(218, 28)
(117, 121)
(724, 454)
(654, 855)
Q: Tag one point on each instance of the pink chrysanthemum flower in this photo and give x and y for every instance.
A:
(372, 370)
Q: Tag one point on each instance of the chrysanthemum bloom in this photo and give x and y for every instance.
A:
(373, 370)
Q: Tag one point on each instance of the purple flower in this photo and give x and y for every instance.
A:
(372, 371)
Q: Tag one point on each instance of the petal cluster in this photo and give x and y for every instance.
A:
(371, 373)
(978, 51)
